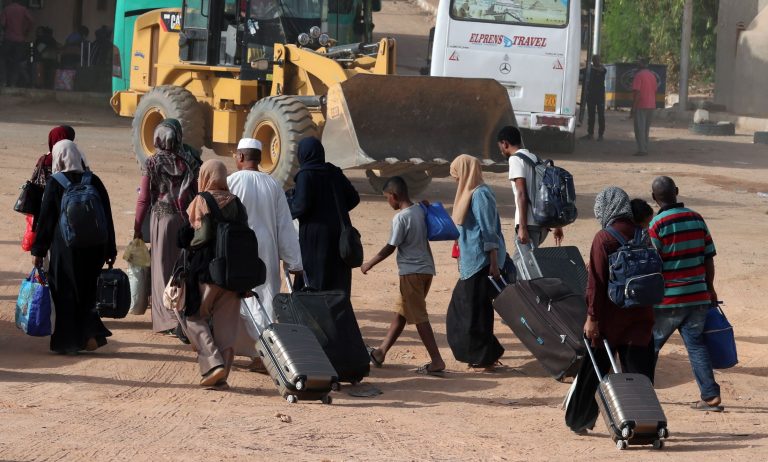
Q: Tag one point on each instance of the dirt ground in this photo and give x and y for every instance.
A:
(137, 398)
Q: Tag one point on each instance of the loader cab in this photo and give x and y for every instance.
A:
(237, 32)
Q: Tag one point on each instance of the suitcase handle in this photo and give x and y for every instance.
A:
(614, 365)
(263, 313)
(539, 340)
(288, 282)
(496, 285)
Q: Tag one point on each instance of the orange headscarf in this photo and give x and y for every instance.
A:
(469, 172)
(212, 179)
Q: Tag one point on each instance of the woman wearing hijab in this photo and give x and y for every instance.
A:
(73, 272)
(469, 322)
(628, 331)
(205, 301)
(43, 167)
(322, 193)
(168, 185)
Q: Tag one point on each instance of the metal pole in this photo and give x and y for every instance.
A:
(685, 55)
(596, 30)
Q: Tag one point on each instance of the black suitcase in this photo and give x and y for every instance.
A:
(629, 405)
(113, 294)
(548, 318)
(565, 263)
(330, 316)
(295, 360)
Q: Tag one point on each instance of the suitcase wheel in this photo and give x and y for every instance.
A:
(299, 385)
(663, 433)
(622, 445)
(336, 386)
(327, 399)
(293, 399)
(658, 444)
(626, 433)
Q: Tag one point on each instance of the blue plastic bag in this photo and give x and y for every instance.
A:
(33, 307)
(440, 226)
(719, 338)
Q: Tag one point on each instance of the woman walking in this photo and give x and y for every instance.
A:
(205, 301)
(322, 198)
(43, 167)
(73, 271)
(168, 185)
(469, 322)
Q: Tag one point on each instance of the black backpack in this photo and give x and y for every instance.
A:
(236, 265)
(554, 201)
(82, 221)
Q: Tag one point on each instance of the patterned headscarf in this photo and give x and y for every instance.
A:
(168, 136)
(611, 204)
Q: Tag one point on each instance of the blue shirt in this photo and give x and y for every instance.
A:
(480, 233)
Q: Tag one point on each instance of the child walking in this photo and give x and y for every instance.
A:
(416, 267)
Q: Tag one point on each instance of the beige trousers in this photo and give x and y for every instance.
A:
(223, 307)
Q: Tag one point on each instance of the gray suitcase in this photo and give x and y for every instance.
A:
(295, 361)
(564, 263)
(629, 406)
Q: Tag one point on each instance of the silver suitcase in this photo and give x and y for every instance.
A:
(629, 406)
(295, 361)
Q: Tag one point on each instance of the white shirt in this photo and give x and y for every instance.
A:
(270, 218)
(519, 169)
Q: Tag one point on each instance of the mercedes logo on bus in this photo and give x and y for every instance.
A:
(505, 68)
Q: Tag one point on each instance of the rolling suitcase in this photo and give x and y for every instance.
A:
(565, 263)
(329, 315)
(548, 318)
(629, 406)
(295, 360)
(113, 294)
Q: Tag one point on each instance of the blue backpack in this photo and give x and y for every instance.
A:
(634, 272)
(554, 201)
(440, 226)
(82, 221)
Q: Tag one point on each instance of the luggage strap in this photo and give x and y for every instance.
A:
(622, 241)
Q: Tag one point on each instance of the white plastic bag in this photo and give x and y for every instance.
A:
(139, 280)
(137, 253)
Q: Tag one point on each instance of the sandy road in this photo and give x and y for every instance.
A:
(136, 400)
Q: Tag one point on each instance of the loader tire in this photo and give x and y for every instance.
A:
(166, 102)
(279, 122)
(417, 181)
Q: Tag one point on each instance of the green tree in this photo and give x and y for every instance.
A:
(653, 28)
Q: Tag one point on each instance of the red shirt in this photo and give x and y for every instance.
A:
(645, 83)
(17, 22)
(620, 326)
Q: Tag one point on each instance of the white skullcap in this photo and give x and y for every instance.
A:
(249, 143)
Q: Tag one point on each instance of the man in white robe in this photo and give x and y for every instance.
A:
(270, 218)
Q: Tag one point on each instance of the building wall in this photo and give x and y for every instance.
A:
(62, 16)
(737, 29)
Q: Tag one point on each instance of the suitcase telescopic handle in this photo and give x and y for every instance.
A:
(496, 284)
(608, 350)
(288, 282)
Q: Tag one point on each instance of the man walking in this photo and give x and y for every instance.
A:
(17, 23)
(643, 104)
(687, 250)
(523, 178)
(595, 99)
(270, 218)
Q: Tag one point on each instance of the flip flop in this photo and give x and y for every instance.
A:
(424, 370)
(704, 406)
(375, 361)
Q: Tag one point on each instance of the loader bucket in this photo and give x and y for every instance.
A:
(379, 121)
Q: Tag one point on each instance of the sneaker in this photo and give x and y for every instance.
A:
(214, 376)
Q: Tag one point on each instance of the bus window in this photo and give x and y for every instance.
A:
(552, 13)
(196, 14)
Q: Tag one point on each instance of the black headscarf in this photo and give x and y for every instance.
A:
(312, 155)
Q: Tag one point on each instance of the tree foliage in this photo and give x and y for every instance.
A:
(653, 29)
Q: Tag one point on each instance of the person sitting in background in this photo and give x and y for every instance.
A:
(628, 331)
(416, 267)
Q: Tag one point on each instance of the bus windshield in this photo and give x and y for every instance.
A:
(552, 13)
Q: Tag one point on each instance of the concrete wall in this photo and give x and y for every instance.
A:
(737, 36)
(62, 16)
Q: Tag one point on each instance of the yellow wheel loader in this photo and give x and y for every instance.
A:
(228, 69)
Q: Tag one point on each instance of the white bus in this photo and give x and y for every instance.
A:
(532, 47)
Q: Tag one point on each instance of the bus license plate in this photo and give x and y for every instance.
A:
(550, 102)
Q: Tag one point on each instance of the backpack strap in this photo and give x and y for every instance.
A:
(528, 160)
(616, 235)
(62, 179)
(86, 179)
(213, 207)
(638, 239)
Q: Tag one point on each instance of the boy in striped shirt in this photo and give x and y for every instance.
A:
(687, 250)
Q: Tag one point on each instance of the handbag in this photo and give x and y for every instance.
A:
(440, 226)
(31, 196)
(350, 245)
(33, 306)
(175, 291)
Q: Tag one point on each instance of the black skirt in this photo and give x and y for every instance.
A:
(469, 322)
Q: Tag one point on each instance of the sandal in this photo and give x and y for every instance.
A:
(374, 361)
(424, 370)
(704, 406)
(487, 369)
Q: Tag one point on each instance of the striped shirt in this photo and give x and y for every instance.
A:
(684, 242)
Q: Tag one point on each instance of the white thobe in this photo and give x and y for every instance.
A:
(270, 218)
